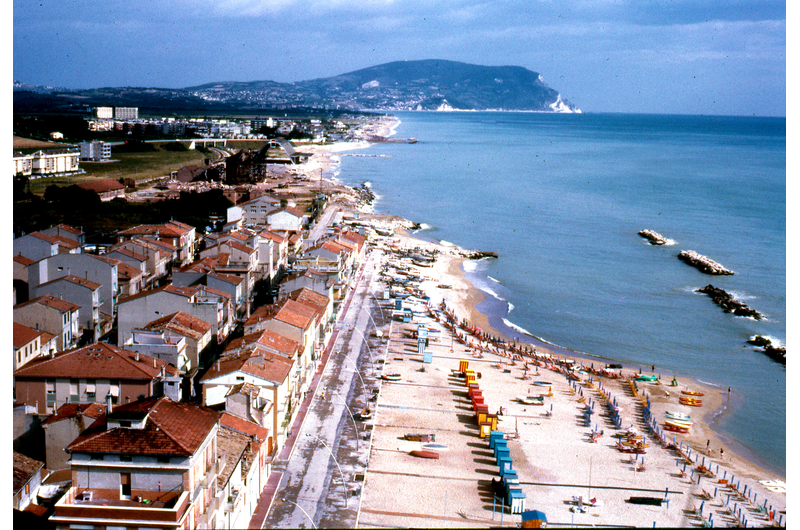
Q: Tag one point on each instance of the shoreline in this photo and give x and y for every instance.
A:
(469, 297)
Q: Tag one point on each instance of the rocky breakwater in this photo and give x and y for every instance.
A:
(777, 353)
(728, 303)
(653, 237)
(703, 263)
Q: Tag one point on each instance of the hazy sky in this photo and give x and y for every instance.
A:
(652, 56)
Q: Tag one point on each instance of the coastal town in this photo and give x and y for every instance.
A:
(298, 361)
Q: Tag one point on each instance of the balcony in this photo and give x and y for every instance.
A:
(88, 506)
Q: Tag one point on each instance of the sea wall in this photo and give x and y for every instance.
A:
(703, 263)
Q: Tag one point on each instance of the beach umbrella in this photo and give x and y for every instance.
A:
(701, 507)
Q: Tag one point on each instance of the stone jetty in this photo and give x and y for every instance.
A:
(728, 303)
(777, 353)
(703, 263)
(653, 237)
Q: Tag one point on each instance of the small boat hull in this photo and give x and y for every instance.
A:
(692, 393)
(391, 377)
(673, 428)
(679, 416)
(424, 453)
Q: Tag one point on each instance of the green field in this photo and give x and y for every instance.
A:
(137, 166)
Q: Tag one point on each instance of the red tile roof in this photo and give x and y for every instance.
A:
(70, 410)
(77, 280)
(230, 278)
(51, 301)
(128, 272)
(24, 335)
(129, 253)
(267, 366)
(44, 237)
(187, 292)
(268, 340)
(171, 428)
(24, 469)
(101, 186)
(96, 361)
(181, 323)
(19, 258)
(248, 428)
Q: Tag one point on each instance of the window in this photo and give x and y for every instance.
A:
(126, 458)
(125, 486)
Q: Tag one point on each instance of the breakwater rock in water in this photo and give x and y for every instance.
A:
(777, 353)
(478, 254)
(728, 303)
(654, 237)
(704, 264)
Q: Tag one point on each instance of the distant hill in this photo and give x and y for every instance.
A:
(402, 85)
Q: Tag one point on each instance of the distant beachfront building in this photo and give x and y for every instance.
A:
(119, 113)
(47, 162)
(95, 151)
(104, 113)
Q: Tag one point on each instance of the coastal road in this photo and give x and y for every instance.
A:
(319, 477)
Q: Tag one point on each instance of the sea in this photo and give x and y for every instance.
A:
(561, 199)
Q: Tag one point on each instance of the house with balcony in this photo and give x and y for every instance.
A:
(152, 462)
(130, 279)
(95, 373)
(83, 293)
(237, 259)
(330, 258)
(52, 315)
(275, 377)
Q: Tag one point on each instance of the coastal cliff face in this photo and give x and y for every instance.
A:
(433, 85)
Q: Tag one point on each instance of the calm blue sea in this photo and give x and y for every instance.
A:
(561, 199)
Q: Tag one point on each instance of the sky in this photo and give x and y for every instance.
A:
(725, 57)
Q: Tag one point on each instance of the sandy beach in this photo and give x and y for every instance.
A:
(556, 456)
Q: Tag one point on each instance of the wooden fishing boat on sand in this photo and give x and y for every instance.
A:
(391, 377)
(422, 453)
(691, 402)
(678, 425)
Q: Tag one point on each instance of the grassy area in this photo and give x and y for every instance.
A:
(137, 166)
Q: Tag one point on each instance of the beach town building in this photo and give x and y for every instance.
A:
(95, 151)
(106, 189)
(332, 259)
(130, 279)
(309, 279)
(286, 219)
(60, 429)
(30, 343)
(28, 476)
(254, 212)
(92, 267)
(35, 246)
(161, 345)
(246, 469)
(47, 162)
(179, 235)
(83, 293)
(156, 258)
(207, 305)
(98, 372)
(153, 462)
(63, 231)
(259, 381)
(52, 315)
(194, 331)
